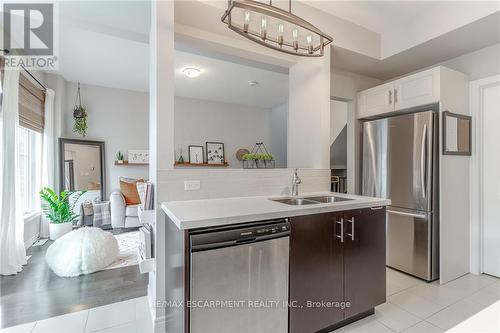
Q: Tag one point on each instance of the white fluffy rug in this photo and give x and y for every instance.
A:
(128, 243)
(82, 251)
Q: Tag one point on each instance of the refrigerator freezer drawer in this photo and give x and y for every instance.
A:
(411, 242)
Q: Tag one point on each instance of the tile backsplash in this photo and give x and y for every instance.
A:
(224, 183)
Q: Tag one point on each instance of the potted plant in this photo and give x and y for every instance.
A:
(59, 211)
(269, 160)
(259, 160)
(119, 157)
(80, 125)
(249, 161)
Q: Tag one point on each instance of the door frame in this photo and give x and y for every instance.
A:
(476, 89)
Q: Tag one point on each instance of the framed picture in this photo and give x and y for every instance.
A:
(457, 134)
(195, 154)
(215, 153)
(138, 156)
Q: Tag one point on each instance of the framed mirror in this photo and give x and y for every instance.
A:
(82, 168)
(457, 134)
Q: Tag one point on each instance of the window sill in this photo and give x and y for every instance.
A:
(31, 216)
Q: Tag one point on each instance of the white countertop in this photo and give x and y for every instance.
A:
(193, 214)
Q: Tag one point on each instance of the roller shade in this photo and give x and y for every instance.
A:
(31, 105)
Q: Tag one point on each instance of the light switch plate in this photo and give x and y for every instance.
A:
(192, 185)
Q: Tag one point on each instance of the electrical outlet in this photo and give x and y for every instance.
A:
(192, 185)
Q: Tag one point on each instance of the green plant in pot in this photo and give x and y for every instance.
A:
(59, 211)
(249, 157)
(80, 125)
(119, 157)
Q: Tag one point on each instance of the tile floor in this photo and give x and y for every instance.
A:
(412, 306)
(131, 316)
(416, 306)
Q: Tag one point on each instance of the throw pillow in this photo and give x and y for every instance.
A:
(129, 191)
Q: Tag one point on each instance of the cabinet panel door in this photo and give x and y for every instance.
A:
(315, 272)
(417, 89)
(375, 101)
(364, 259)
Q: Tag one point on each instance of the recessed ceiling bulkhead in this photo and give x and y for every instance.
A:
(275, 28)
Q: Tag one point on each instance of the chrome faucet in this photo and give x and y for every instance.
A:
(295, 183)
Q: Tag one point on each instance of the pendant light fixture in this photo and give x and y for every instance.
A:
(275, 28)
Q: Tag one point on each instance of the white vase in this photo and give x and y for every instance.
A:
(57, 230)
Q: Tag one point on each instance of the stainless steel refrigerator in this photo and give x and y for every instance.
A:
(400, 162)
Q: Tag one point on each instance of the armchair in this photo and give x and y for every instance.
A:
(123, 215)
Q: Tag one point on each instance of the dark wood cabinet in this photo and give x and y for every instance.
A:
(364, 260)
(315, 272)
(335, 257)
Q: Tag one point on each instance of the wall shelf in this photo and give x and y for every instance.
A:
(126, 163)
(201, 165)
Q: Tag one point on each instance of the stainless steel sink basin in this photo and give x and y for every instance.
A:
(327, 199)
(296, 201)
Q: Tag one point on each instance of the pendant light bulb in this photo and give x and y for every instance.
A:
(310, 49)
(281, 29)
(295, 35)
(246, 22)
(264, 23)
(263, 32)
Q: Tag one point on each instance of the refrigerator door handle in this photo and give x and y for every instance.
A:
(423, 164)
(418, 216)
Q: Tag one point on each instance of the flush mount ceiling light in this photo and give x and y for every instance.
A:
(275, 28)
(191, 72)
(253, 83)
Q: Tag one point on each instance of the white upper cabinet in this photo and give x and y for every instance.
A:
(414, 90)
(417, 89)
(376, 100)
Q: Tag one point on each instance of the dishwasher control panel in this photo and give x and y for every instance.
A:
(213, 238)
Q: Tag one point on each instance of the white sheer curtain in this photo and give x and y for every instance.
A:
(48, 154)
(12, 251)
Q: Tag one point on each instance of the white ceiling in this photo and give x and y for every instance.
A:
(100, 44)
(405, 24)
(226, 81)
(106, 42)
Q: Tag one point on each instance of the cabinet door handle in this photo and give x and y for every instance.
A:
(352, 230)
(377, 208)
(395, 96)
(341, 222)
(390, 97)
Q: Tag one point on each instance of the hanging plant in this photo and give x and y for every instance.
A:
(79, 115)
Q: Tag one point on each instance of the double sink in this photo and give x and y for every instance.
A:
(310, 200)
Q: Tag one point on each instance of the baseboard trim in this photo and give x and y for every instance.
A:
(31, 240)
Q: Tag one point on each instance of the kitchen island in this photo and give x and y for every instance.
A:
(335, 272)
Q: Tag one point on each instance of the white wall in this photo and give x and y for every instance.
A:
(279, 135)
(309, 113)
(344, 86)
(479, 64)
(484, 180)
(338, 118)
(237, 126)
(117, 117)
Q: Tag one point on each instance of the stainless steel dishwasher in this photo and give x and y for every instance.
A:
(239, 278)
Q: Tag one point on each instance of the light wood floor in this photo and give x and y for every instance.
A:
(37, 293)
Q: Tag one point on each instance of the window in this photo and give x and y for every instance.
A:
(30, 158)
(29, 144)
